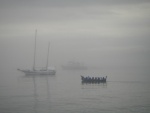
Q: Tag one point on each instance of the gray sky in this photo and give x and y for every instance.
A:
(113, 30)
(82, 18)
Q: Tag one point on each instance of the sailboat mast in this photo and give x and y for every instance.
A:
(34, 50)
(47, 55)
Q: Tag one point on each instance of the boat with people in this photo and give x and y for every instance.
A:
(93, 79)
(39, 71)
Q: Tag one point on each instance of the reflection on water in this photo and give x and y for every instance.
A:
(65, 92)
(35, 94)
(98, 83)
(46, 77)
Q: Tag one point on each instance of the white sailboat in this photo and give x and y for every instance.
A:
(40, 71)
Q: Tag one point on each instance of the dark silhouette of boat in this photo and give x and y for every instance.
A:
(93, 80)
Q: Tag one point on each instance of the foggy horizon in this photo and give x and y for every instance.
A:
(101, 34)
(109, 37)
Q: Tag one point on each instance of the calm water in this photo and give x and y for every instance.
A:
(64, 93)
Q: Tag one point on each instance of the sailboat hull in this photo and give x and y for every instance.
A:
(38, 72)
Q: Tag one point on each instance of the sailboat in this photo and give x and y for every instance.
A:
(40, 71)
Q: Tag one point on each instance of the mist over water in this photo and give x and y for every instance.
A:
(126, 90)
(110, 38)
(64, 92)
(123, 59)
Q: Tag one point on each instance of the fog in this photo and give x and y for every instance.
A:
(104, 54)
(103, 35)
(110, 37)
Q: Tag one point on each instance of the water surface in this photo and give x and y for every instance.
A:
(64, 93)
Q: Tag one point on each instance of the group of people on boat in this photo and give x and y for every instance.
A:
(93, 79)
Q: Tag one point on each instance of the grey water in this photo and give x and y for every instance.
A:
(127, 89)
(64, 92)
